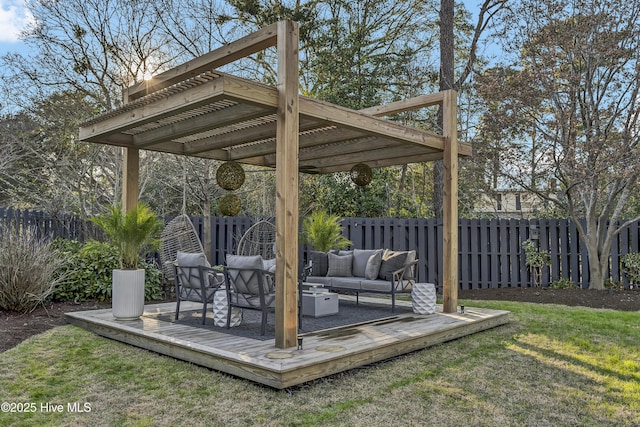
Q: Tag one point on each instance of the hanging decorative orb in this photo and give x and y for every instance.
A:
(230, 176)
(361, 174)
(229, 204)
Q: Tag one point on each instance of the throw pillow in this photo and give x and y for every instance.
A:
(319, 263)
(373, 266)
(360, 260)
(340, 266)
(391, 261)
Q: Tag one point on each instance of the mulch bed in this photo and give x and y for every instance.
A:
(16, 327)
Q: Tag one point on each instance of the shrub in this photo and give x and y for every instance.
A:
(631, 267)
(563, 283)
(535, 260)
(90, 272)
(27, 267)
(610, 284)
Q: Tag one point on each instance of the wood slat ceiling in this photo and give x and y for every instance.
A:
(218, 116)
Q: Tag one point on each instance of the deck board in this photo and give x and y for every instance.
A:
(324, 352)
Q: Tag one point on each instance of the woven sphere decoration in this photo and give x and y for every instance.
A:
(230, 176)
(361, 174)
(229, 204)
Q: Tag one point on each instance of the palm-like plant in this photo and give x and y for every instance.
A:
(323, 231)
(134, 233)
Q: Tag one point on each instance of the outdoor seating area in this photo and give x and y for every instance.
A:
(196, 110)
(365, 271)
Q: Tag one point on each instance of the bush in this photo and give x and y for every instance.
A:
(90, 272)
(631, 267)
(27, 267)
(535, 260)
(563, 283)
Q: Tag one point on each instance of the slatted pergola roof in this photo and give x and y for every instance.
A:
(222, 117)
(195, 110)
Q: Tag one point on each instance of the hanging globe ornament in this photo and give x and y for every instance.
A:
(361, 174)
(229, 204)
(230, 176)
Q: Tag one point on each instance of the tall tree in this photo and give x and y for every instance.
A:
(468, 59)
(576, 90)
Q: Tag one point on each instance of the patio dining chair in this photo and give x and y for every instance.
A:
(195, 280)
(249, 286)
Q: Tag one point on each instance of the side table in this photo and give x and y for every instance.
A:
(221, 308)
(423, 298)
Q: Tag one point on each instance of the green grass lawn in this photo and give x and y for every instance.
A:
(551, 366)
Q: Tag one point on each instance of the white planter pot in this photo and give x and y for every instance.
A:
(127, 294)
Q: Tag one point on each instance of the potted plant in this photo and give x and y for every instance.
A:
(323, 231)
(133, 233)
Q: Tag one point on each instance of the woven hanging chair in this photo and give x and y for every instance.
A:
(259, 239)
(178, 235)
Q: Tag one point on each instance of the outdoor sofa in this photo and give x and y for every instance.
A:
(381, 271)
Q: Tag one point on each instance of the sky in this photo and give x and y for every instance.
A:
(13, 18)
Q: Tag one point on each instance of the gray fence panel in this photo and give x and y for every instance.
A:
(490, 251)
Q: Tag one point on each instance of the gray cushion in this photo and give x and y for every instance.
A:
(245, 261)
(340, 266)
(250, 280)
(392, 261)
(319, 263)
(373, 266)
(192, 259)
(188, 264)
(268, 264)
(346, 282)
(360, 260)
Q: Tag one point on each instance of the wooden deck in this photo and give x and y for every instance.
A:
(324, 352)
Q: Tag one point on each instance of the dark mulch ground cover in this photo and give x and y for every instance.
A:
(16, 327)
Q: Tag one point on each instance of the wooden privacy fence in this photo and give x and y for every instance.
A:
(45, 224)
(490, 251)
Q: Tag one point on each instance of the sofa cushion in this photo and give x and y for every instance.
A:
(340, 266)
(392, 261)
(319, 263)
(376, 285)
(323, 280)
(346, 282)
(360, 259)
(373, 266)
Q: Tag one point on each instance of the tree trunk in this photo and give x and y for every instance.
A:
(598, 256)
(446, 82)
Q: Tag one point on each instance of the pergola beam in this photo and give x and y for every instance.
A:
(253, 43)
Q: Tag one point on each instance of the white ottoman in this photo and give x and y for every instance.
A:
(221, 308)
(423, 298)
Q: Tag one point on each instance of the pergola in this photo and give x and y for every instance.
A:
(194, 110)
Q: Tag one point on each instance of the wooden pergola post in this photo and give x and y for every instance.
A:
(130, 178)
(287, 187)
(450, 208)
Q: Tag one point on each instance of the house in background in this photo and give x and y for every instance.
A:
(510, 203)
